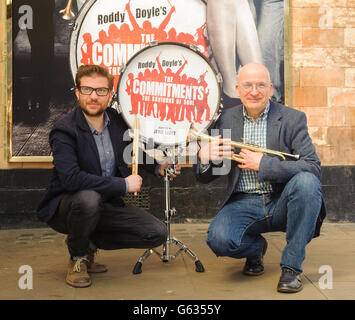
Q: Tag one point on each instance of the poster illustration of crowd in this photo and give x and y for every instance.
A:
(48, 48)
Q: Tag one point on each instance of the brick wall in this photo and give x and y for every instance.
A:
(321, 42)
(322, 65)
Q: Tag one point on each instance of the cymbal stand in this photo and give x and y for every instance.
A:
(166, 256)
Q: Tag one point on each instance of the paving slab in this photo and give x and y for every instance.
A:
(328, 269)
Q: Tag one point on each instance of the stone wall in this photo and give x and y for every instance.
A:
(322, 65)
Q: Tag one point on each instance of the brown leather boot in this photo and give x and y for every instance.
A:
(77, 274)
(94, 267)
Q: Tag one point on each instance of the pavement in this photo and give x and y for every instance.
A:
(33, 267)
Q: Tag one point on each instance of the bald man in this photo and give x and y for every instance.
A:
(264, 192)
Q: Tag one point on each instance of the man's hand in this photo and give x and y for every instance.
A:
(165, 165)
(249, 159)
(134, 183)
(215, 150)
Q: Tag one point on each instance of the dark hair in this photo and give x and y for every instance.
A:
(91, 69)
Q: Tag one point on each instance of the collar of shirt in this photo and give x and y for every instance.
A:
(106, 123)
(262, 116)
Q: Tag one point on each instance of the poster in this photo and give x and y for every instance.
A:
(48, 48)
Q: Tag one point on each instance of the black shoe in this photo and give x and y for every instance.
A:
(289, 281)
(255, 267)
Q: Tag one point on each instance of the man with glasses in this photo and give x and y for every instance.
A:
(90, 176)
(264, 193)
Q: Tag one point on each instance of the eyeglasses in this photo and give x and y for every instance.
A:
(99, 91)
(258, 86)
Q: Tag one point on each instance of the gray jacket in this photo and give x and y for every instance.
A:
(287, 132)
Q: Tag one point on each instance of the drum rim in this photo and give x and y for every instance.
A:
(76, 27)
(219, 83)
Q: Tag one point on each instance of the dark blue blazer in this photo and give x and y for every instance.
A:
(77, 163)
(287, 132)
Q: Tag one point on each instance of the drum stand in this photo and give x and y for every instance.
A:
(166, 256)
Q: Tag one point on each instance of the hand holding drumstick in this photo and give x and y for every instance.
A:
(134, 180)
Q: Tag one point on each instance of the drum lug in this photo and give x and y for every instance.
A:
(114, 105)
(123, 68)
(73, 26)
(194, 47)
(114, 97)
(153, 43)
(215, 118)
(118, 108)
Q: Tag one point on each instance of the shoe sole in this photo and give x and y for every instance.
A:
(96, 271)
(253, 274)
(289, 290)
(75, 285)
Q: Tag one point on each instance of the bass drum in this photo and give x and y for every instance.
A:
(108, 33)
(168, 87)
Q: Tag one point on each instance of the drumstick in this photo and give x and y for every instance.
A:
(135, 148)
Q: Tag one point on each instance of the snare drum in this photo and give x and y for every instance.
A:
(169, 86)
(108, 33)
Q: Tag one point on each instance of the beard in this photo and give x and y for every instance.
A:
(92, 113)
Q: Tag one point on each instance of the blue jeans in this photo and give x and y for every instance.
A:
(236, 229)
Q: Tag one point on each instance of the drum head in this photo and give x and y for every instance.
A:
(108, 35)
(168, 86)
